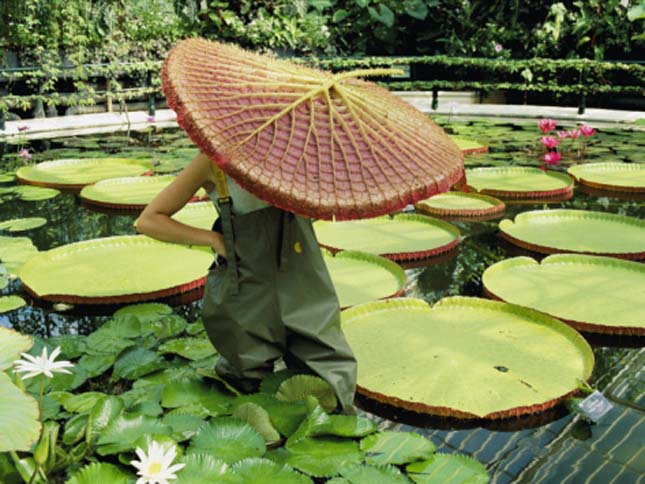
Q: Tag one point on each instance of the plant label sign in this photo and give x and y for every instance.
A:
(595, 406)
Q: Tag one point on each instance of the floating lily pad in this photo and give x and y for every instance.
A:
(128, 192)
(629, 177)
(203, 468)
(228, 439)
(12, 343)
(367, 474)
(100, 472)
(199, 214)
(607, 296)
(359, 277)
(22, 224)
(402, 237)
(469, 146)
(9, 303)
(263, 471)
(396, 448)
(115, 269)
(15, 251)
(519, 182)
(478, 369)
(578, 231)
(189, 348)
(35, 194)
(448, 469)
(458, 204)
(76, 173)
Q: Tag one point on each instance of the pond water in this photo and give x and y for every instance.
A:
(556, 447)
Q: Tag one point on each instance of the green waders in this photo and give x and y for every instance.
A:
(274, 298)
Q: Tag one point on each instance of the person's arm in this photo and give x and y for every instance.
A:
(155, 219)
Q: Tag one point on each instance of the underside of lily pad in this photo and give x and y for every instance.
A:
(467, 358)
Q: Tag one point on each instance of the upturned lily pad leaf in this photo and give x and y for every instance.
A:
(611, 176)
(478, 369)
(189, 348)
(285, 416)
(300, 386)
(578, 231)
(9, 303)
(448, 469)
(184, 426)
(396, 448)
(100, 472)
(199, 214)
(128, 192)
(519, 182)
(35, 194)
(458, 204)
(403, 237)
(228, 439)
(129, 268)
(609, 291)
(19, 417)
(259, 419)
(22, 224)
(360, 277)
(338, 147)
(367, 474)
(136, 362)
(12, 343)
(204, 468)
(264, 471)
(76, 173)
(321, 457)
(122, 433)
(185, 392)
(272, 382)
(15, 251)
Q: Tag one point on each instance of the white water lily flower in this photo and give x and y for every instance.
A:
(154, 467)
(42, 365)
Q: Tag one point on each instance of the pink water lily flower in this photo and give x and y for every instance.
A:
(499, 47)
(24, 154)
(552, 158)
(547, 125)
(563, 134)
(22, 128)
(587, 130)
(574, 133)
(150, 119)
(549, 141)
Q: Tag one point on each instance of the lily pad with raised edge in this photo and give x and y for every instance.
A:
(98, 472)
(319, 457)
(19, 417)
(458, 204)
(577, 231)
(129, 268)
(228, 439)
(624, 177)
(360, 277)
(519, 182)
(204, 468)
(15, 251)
(478, 369)
(128, 192)
(35, 194)
(448, 469)
(264, 471)
(199, 214)
(396, 448)
(189, 348)
(258, 418)
(402, 237)
(9, 303)
(123, 432)
(469, 146)
(12, 343)
(22, 224)
(76, 173)
(607, 296)
(298, 387)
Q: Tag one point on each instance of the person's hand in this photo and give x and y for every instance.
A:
(218, 244)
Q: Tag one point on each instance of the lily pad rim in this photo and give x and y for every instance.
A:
(497, 206)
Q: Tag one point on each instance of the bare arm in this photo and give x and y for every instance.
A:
(155, 219)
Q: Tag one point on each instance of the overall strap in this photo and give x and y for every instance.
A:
(226, 215)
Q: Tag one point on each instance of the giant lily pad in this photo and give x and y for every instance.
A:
(199, 214)
(579, 231)
(22, 224)
(402, 237)
(627, 177)
(15, 251)
(461, 358)
(607, 295)
(133, 192)
(359, 277)
(519, 182)
(469, 146)
(114, 269)
(458, 204)
(76, 173)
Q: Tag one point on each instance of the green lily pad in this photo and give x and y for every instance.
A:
(579, 231)
(19, 417)
(100, 472)
(468, 146)
(189, 348)
(136, 362)
(367, 474)
(9, 303)
(611, 176)
(184, 392)
(122, 433)
(184, 426)
(519, 182)
(145, 311)
(203, 468)
(263, 471)
(199, 214)
(300, 386)
(607, 296)
(228, 439)
(259, 419)
(396, 448)
(35, 194)
(321, 457)
(458, 204)
(359, 277)
(22, 224)
(478, 369)
(12, 343)
(403, 237)
(448, 469)
(15, 251)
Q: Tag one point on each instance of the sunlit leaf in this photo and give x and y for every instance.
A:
(396, 448)
(448, 469)
(228, 439)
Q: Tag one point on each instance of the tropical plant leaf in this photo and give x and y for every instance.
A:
(100, 472)
(405, 236)
(22, 224)
(125, 326)
(448, 469)
(271, 382)
(264, 471)
(184, 426)
(189, 348)
(367, 474)
(75, 429)
(228, 439)
(96, 365)
(71, 346)
(300, 386)
(478, 369)
(319, 457)
(71, 381)
(285, 416)
(259, 419)
(122, 433)
(145, 312)
(195, 328)
(15, 251)
(396, 448)
(202, 468)
(83, 402)
(185, 392)
(19, 417)
(104, 412)
(12, 343)
(103, 341)
(136, 362)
